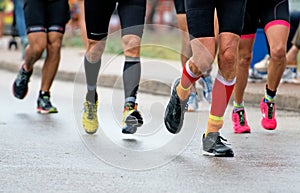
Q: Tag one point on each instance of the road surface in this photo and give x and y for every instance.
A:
(51, 153)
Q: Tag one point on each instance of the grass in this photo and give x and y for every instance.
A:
(154, 45)
(163, 44)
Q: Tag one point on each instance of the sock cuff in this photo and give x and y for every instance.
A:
(238, 105)
(215, 118)
(188, 78)
(181, 87)
(87, 61)
(44, 93)
(269, 98)
(189, 72)
(224, 81)
(130, 99)
(269, 94)
(214, 125)
(132, 59)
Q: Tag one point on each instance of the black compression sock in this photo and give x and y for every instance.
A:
(270, 92)
(44, 93)
(131, 76)
(91, 96)
(91, 73)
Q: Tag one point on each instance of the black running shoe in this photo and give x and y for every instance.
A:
(213, 146)
(175, 110)
(44, 105)
(20, 85)
(132, 119)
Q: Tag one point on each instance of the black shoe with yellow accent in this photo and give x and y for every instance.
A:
(132, 118)
(174, 114)
(44, 105)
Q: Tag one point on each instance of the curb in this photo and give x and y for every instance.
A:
(283, 102)
(146, 86)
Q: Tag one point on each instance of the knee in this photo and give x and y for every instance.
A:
(227, 58)
(131, 45)
(227, 61)
(54, 46)
(201, 66)
(244, 59)
(203, 60)
(37, 49)
(278, 53)
(95, 50)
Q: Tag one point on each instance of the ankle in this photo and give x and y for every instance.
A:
(238, 106)
(183, 94)
(92, 96)
(25, 68)
(44, 93)
(213, 126)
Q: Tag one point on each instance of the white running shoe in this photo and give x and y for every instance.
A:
(262, 66)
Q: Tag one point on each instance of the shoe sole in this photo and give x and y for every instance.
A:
(129, 130)
(207, 153)
(242, 132)
(41, 111)
(268, 128)
(90, 133)
(226, 154)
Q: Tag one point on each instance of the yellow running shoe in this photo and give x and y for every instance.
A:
(90, 117)
(132, 119)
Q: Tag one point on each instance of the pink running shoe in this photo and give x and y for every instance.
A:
(268, 110)
(239, 121)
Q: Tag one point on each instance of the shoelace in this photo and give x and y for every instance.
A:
(91, 110)
(241, 117)
(46, 102)
(22, 78)
(270, 110)
(220, 139)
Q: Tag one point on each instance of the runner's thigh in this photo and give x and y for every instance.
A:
(231, 15)
(200, 18)
(132, 16)
(97, 17)
(57, 15)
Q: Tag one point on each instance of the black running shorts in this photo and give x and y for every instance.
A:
(261, 13)
(98, 13)
(180, 6)
(200, 16)
(46, 15)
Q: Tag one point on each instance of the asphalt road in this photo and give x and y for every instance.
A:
(51, 153)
